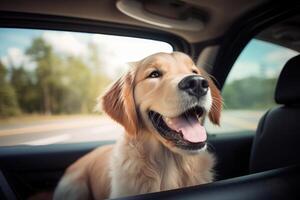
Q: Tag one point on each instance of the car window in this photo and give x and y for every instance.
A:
(49, 82)
(249, 89)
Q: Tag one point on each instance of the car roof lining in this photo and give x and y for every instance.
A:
(219, 15)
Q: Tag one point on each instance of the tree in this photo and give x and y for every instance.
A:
(81, 86)
(8, 101)
(42, 54)
(249, 93)
(27, 95)
(62, 83)
(98, 80)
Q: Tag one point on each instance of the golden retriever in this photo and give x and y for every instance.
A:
(161, 103)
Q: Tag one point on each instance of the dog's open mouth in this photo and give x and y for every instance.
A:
(185, 130)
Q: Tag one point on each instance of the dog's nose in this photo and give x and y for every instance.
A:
(194, 85)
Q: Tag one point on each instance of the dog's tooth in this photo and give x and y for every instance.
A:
(199, 118)
(168, 120)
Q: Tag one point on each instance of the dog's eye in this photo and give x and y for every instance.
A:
(194, 71)
(155, 74)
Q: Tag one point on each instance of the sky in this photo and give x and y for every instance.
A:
(257, 59)
(262, 59)
(116, 51)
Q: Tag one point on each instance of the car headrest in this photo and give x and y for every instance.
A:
(288, 85)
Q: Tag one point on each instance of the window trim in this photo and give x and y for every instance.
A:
(241, 32)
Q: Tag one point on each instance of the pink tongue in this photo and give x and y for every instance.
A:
(190, 128)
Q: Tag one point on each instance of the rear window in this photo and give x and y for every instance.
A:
(250, 86)
(49, 82)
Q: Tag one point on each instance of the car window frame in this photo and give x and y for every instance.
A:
(241, 32)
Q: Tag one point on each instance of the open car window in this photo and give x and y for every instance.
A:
(250, 86)
(50, 80)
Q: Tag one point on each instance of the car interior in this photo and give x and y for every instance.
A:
(261, 164)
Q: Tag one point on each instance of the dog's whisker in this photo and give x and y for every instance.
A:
(217, 100)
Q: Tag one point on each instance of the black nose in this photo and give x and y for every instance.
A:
(194, 85)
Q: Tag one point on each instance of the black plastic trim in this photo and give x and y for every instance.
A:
(48, 156)
(274, 184)
(228, 148)
(242, 31)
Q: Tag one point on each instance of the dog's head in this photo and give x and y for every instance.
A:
(167, 96)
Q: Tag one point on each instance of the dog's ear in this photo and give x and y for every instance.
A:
(217, 101)
(216, 108)
(118, 103)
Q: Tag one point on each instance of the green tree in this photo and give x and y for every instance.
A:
(46, 61)
(249, 93)
(72, 83)
(98, 80)
(26, 91)
(8, 101)
(81, 86)
(60, 83)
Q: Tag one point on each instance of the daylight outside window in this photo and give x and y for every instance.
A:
(250, 86)
(50, 80)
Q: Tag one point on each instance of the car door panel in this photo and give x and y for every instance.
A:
(32, 169)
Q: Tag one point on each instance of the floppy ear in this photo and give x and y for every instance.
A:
(217, 101)
(216, 108)
(118, 103)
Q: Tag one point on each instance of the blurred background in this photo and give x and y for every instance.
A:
(50, 80)
(50, 72)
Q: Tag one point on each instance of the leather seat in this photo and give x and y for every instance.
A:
(277, 140)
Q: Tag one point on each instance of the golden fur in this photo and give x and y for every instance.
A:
(142, 160)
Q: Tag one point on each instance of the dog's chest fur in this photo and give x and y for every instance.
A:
(138, 168)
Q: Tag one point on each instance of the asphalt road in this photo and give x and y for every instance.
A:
(97, 128)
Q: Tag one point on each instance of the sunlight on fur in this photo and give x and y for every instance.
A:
(161, 102)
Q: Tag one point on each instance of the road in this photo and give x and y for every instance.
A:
(97, 128)
(236, 121)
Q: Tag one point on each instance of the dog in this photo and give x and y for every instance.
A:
(161, 103)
